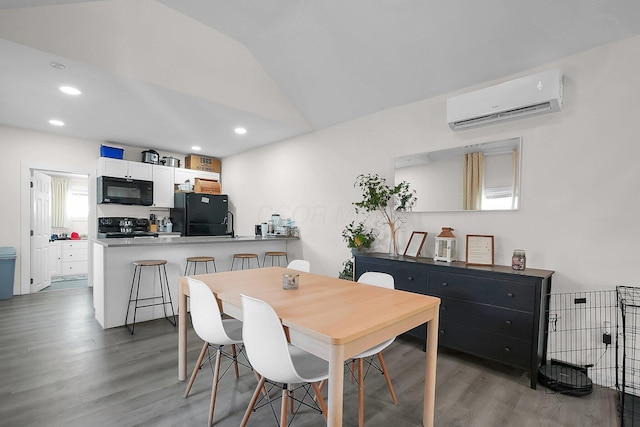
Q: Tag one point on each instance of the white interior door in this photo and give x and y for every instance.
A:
(40, 231)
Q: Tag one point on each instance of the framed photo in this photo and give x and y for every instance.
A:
(479, 249)
(414, 246)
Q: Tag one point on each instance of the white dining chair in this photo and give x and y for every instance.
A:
(214, 331)
(300, 265)
(383, 280)
(277, 361)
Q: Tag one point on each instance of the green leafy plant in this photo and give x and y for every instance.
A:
(358, 236)
(389, 201)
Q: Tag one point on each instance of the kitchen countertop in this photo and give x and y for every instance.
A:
(178, 240)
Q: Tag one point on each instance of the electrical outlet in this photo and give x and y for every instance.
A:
(606, 338)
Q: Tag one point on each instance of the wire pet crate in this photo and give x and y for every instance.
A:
(629, 371)
(581, 353)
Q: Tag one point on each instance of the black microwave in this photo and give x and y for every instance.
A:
(125, 191)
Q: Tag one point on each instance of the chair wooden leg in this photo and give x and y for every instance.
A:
(319, 399)
(360, 392)
(291, 401)
(386, 377)
(194, 374)
(235, 359)
(214, 387)
(284, 408)
(253, 401)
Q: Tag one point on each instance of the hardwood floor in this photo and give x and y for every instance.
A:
(60, 368)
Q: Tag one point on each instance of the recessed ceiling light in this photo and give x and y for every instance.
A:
(240, 131)
(70, 90)
(55, 122)
(196, 148)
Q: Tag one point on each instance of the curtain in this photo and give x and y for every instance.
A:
(472, 182)
(58, 201)
(515, 186)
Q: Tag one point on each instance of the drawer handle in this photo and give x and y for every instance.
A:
(410, 278)
(442, 331)
(443, 307)
(510, 295)
(507, 350)
(445, 284)
(508, 322)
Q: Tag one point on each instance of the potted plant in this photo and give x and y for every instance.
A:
(389, 201)
(358, 237)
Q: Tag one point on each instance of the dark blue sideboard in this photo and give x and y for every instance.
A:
(493, 312)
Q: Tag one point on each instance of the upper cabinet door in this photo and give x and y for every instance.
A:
(139, 170)
(163, 186)
(124, 169)
(112, 167)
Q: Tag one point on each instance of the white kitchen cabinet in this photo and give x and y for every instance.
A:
(75, 257)
(163, 186)
(124, 169)
(55, 258)
(181, 175)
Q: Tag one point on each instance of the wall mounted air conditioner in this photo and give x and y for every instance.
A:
(536, 94)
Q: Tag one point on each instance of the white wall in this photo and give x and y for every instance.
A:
(579, 211)
(579, 208)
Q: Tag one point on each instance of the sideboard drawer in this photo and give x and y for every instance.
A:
(514, 323)
(407, 277)
(501, 348)
(411, 278)
(503, 293)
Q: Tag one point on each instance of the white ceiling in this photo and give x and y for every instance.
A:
(169, 74)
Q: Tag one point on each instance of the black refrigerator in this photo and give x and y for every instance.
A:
(199, 214)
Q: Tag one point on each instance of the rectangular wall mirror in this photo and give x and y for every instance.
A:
(475, 177)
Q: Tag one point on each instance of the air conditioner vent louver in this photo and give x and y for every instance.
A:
(527, 96)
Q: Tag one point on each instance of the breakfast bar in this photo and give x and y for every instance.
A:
(112, 267)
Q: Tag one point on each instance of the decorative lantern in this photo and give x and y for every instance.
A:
(445, 246)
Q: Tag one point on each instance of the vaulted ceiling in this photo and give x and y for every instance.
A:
(171, 74)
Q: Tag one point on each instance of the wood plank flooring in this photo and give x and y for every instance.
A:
(60, 368)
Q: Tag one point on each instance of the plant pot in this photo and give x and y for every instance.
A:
(359, 251)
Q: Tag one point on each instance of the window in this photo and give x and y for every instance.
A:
(497, 198)
(78, 201)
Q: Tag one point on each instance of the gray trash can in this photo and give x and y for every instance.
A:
(7, 271)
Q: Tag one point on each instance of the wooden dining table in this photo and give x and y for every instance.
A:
(332, 318)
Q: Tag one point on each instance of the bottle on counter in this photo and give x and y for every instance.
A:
(518, 260)
(168, 226)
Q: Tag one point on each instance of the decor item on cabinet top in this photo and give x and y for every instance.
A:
(358, 237)
(518, 260)
(391, 202)
(415, 243)
(479, 250)
(445, 246)
(150, 156)
(170, 161)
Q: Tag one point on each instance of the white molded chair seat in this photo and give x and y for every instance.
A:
(300, 265)
(274, 359)
(213, 330)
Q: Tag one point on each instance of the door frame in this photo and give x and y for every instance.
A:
(25, 214)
